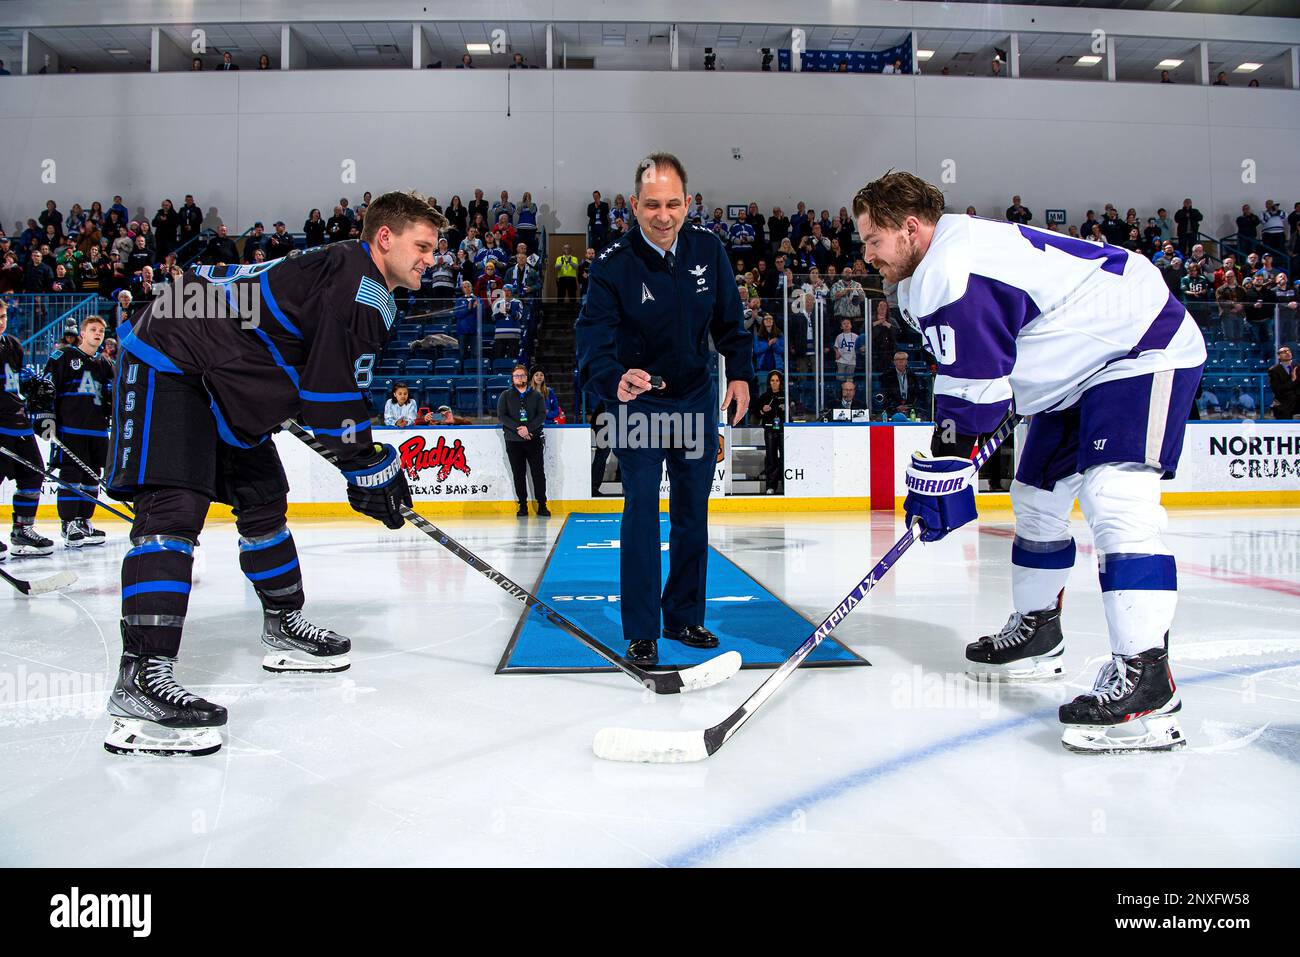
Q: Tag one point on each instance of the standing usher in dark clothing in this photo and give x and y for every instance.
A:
(527, 409)
(195, 401)
(656, 312)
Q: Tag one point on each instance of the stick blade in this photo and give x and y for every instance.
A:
(650, 747)
(712, 672)
(52, 583)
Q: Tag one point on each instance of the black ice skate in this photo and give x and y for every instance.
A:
(153, 714)
(73, 535)
(294, 644)
(1132, 707)
(92, 535)
(1028, 648)
(4, 551)
(25, 541)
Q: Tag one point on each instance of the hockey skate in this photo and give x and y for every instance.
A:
(92, 535)
(153, 714)
(294, 644)
(1028, 648)
(1133, 706)
(73, 535)
(4, 551)
(25, 541)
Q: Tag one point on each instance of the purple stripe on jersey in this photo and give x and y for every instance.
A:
(984, 322)
(1162, 330)
(968, 418)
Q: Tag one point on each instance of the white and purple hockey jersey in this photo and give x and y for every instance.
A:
(1013, 311)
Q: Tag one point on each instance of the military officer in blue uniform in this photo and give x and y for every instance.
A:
(654, 300)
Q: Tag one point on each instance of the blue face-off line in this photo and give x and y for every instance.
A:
(779, 814)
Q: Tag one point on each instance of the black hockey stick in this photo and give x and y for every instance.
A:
(670, 747)
(85, 468)
(703, 675)
(75, 491)
(41, 585)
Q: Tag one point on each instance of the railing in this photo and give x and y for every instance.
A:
(1234, 244)
(439, 365)
(29, 313)
(64, 308)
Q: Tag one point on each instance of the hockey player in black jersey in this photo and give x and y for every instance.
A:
(207, 372)
(83, 390)
(21, 384)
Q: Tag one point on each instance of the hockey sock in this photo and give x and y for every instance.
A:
(155, 594)
(270, 562)
(1038, 572)
(1139, 593)
(88, 508)
(25, 502)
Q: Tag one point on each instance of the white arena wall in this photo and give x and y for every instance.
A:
(269, 145)
(829, 467)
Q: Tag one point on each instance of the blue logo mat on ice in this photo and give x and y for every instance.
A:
(580, 581)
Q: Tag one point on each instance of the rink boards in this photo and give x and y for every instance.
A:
(829, 467)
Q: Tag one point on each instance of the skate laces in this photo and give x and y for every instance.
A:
(302, 628)
(160, 681)
(1114, 681)
(1013, 632)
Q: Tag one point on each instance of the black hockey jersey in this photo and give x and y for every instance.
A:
(13, 407)
(83, 390)
(297, 336)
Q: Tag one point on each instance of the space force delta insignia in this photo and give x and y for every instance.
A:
(645, 294)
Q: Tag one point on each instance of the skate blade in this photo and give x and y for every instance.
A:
(288, 663)
(129, 737)
(68, 544)
(1162, 733)
(1048, 669)
(28, 552)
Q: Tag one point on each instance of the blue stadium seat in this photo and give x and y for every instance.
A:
(503, 367)
(447, 366)
(437, 392)
(464, 392)
(418, 367)
(493, 388)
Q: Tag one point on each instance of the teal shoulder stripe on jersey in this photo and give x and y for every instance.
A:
(370, 293)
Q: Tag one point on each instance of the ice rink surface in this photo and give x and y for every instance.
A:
(420, 755)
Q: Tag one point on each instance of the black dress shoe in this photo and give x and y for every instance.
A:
(643, 652)
(693, 636)
(523, 511)
(543, 511)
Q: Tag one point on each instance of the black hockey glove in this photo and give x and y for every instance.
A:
(40, 394)
(377, 486)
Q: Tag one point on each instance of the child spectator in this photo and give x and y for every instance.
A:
(400, 410)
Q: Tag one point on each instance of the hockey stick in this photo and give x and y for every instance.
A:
(75, 491)
(82, 465)
(704, 675)
(41, 585)
(670, 747)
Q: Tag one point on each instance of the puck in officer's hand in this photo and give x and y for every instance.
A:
(656, 382)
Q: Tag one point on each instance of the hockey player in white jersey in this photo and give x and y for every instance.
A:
(1088, 342)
